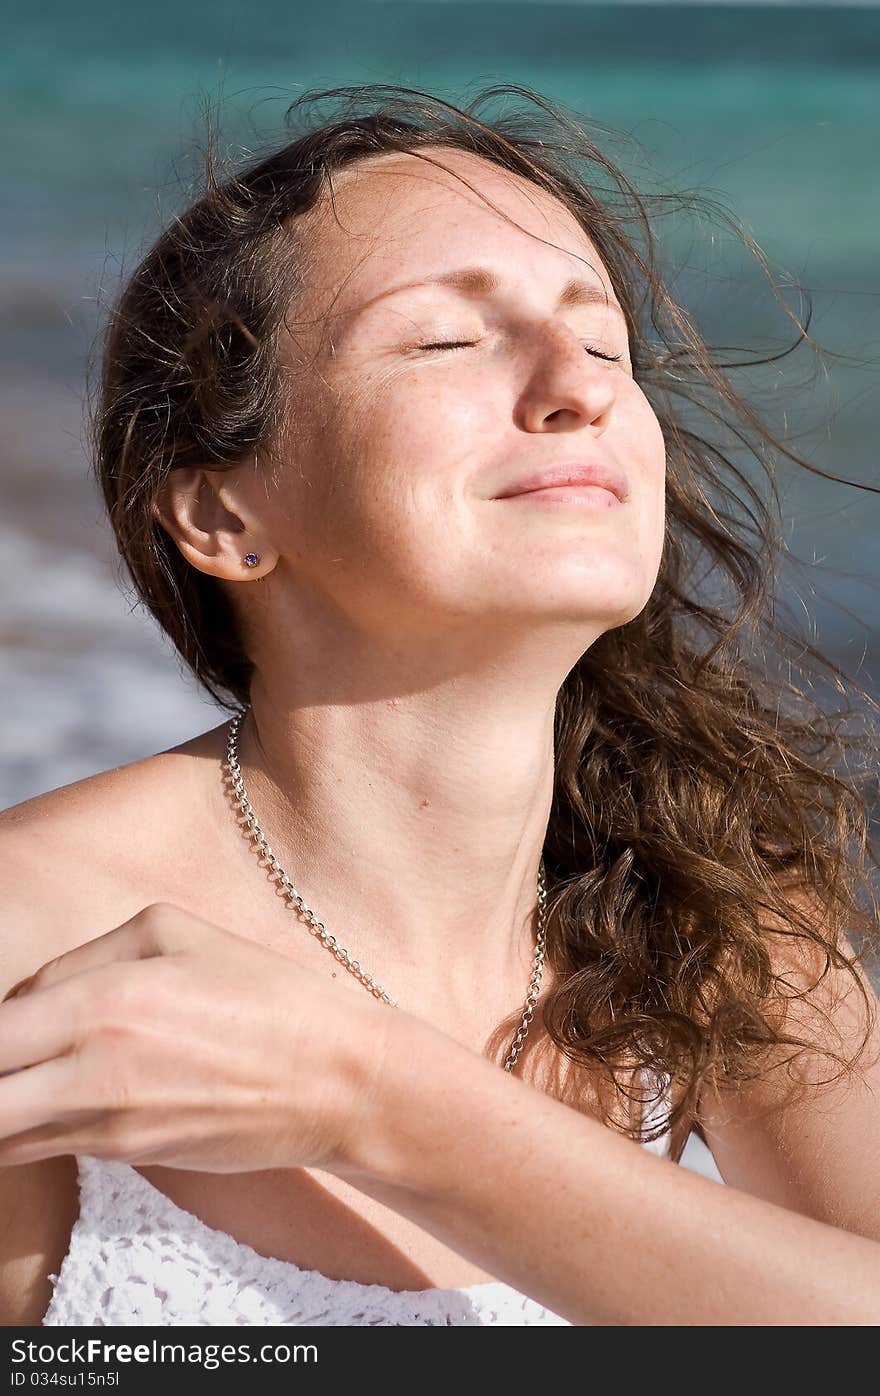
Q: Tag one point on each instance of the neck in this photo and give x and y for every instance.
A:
(413, 827)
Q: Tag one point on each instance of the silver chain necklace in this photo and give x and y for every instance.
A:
(296, 903)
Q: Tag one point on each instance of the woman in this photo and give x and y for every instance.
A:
(391, 451)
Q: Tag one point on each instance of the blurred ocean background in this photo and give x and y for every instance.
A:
(773, 110)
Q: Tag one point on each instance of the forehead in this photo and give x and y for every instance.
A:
(396, 215)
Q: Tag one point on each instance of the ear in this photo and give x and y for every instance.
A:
(209, 519)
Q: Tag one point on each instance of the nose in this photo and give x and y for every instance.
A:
(567, 388)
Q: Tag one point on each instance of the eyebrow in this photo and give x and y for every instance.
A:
(480, 281)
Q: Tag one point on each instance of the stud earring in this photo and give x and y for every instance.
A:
(251, 559)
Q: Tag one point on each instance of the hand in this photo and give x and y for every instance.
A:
(170, 1040)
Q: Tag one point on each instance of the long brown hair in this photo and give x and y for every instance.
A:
(702, 794)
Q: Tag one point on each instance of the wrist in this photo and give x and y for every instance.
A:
(404, 1090)
(368, 1070)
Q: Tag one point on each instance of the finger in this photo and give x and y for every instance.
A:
(38, 1096)
(157, 929)
(49, 1110)
(37, 1027)
(48, 1141)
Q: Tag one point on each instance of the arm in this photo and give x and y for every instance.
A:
(795, 1136)
(584, 1220)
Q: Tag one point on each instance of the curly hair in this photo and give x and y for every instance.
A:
(706, 807)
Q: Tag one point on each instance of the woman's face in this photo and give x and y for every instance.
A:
(386, 507)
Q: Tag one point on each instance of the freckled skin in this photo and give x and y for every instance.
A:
(398, 451)
(410, 631)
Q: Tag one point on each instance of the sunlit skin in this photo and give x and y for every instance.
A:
(410, 631)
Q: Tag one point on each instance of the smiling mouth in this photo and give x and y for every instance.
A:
(596, 496)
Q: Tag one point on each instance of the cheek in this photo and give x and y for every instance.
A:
(409, 452)
(652, 509)
(642, 452)
(649, 435)
(424, 410)
(372, 504)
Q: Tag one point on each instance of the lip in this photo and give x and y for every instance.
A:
(569, 473)
(583, 496)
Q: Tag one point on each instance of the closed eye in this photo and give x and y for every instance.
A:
(470, 343)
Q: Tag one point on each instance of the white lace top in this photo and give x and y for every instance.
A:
(135, 1257)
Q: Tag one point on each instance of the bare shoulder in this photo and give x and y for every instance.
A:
(80, 859)
(74, 862)
(92, 807)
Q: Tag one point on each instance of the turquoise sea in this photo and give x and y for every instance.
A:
(774, 111)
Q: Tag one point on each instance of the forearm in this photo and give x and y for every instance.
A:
(583, 1220)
